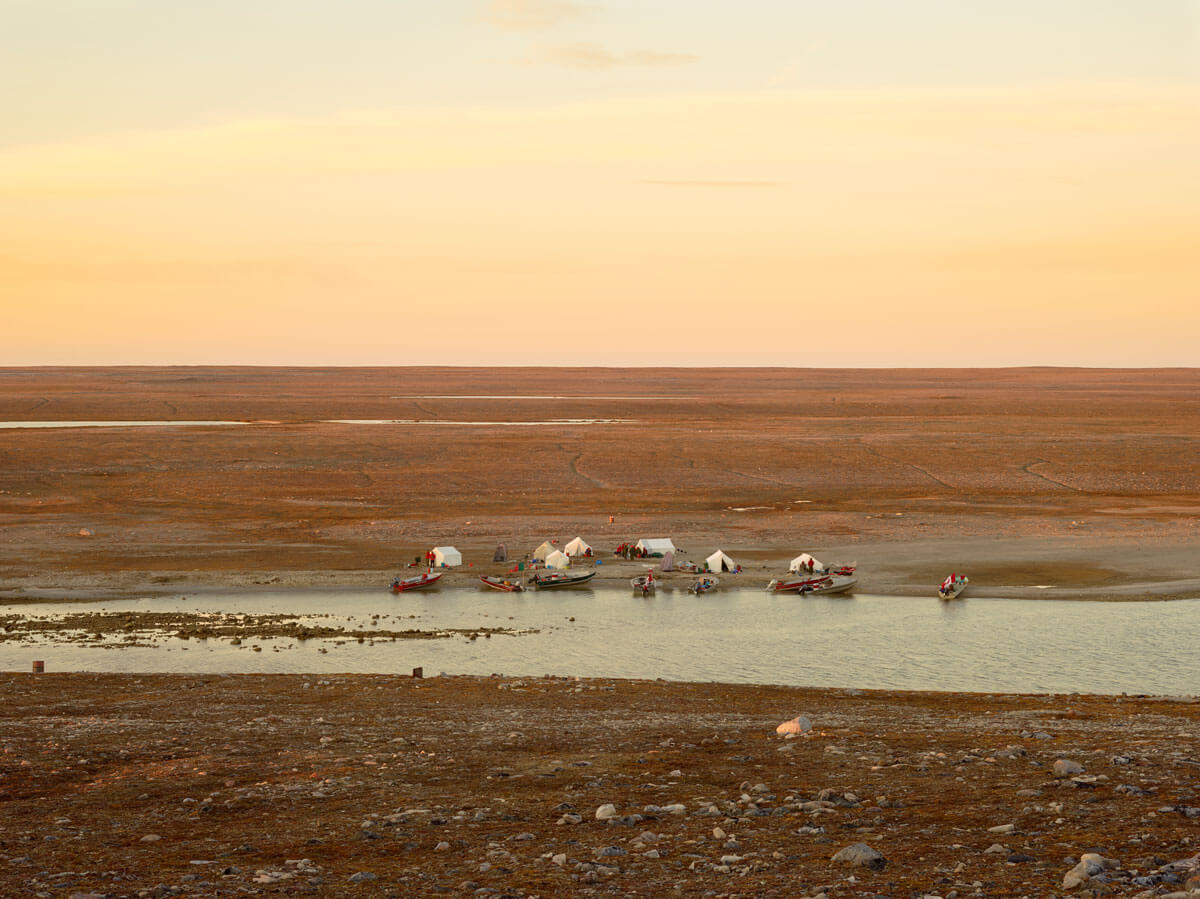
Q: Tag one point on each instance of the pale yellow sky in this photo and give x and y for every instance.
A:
(954, 224)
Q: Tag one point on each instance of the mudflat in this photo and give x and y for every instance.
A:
(1081, 482)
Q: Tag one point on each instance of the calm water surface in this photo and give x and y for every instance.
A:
(734, 635)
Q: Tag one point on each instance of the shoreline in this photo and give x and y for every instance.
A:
(1088, 569)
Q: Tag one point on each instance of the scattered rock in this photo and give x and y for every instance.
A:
(1067, 768)
(862, 855)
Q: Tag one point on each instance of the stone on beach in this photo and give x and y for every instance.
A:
(1066, 768)
(606, 811)
(862, 855)
(1091, 865)
(798, 725)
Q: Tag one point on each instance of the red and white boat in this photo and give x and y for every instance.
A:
(952, 586)
(418, 582)
(813, 586)
(502, 584)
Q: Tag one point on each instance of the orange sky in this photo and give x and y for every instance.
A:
(985, 224)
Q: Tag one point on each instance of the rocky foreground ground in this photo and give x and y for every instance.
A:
(140, 785)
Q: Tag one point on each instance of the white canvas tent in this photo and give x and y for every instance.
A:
(801, 562)
(657, 546)
(576, 547)
(718, 561)
(558, 559)
(446, 557)
(544, 550)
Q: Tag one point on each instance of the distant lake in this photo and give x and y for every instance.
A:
(738, 635)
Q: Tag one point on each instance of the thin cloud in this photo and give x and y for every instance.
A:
(519, 15)
(696, 182)
(594, 56)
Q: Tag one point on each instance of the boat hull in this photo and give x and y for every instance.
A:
(502, 585)
(832, 586)
(561, 583)
(417, 583)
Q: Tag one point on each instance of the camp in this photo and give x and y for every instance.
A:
(805, 562)
(577, 548)
(718, 561)
(446, 557)
(544, 550)
(557, 559)
(656, 546)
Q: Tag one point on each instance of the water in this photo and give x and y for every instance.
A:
(732, 635)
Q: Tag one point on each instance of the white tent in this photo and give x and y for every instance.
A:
(657, 546)
(576, 547)
(718, 561)
(558, 559)
(544, 550)
(446, 557)
(801, 562)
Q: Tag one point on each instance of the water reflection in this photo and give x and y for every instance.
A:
(735, 635)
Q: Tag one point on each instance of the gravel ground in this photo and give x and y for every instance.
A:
(126, 785)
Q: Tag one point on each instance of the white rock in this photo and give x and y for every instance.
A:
(799, 725)
(1003, 828)
(860, 854)
(441, 847)
(560, 859)
(1090, 864)
(606, 811)
(996, 849)
(1066, 768)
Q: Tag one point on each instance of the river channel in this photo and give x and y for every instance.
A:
(734, 635)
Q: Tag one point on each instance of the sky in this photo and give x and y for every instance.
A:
(613, 182)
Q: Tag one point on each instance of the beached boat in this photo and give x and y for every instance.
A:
(793, 585)
(420, 581)
(952, 586)
(502, 584)
(560, 579)
(832, 584)
(644, 584)
(704, 585)
(813, 586)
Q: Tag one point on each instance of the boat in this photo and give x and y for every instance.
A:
(952, 586)
(813, 586)
(502, 584)
(831, 584)
(419, 582)
(560, 579)
(704, 585)
(793, 585)
(645, 584)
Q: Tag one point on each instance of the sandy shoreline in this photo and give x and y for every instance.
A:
(1077, 569)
